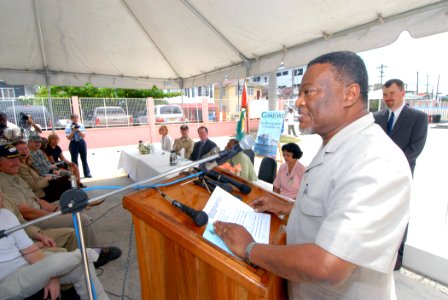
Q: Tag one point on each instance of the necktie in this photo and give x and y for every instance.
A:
(200, 150)
(390, 123)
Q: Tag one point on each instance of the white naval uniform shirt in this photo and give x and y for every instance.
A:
(354, 203)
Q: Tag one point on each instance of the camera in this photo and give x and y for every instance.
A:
(75, 126)
(23, 120)
(61, 165)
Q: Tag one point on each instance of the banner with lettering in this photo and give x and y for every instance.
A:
(269, 130)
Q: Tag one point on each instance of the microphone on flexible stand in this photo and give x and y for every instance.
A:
(200, 218)
(244, 188)
(226, 187)
(210, 187)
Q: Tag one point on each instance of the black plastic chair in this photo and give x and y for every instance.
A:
(251, 154)
(268, 169)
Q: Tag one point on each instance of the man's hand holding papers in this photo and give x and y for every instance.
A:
(234, 222)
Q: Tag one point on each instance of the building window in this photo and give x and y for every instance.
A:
(285, 73)
(298, 72)
(265, 79)
(7, 93)
(250, 91)
(203, 91)
(279, 74)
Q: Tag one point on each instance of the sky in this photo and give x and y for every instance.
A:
(403, 59)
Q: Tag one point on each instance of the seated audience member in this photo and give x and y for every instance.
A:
(26, 269)
(184, 142)
(56, 157)
(247, 169)
(53, 239)
(289, 175)
(31, 207)
(9, 132)
(166, 141)
(48, 187)
(40, 161)
(204, 146)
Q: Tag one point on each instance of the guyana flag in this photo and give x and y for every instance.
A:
(240, 126)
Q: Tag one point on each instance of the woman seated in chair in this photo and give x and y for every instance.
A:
(55, 156)
(289, 175)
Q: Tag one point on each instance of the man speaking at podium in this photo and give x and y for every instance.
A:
(352, 208)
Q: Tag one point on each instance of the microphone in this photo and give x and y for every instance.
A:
(246, 143)
(212, 187)
(200, 218)
(226, 187)
(244, 188)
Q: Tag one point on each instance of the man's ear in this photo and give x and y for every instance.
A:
(352, 94)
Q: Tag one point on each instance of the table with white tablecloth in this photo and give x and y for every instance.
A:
(144, 166)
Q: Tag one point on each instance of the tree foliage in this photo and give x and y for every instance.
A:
(90, 91)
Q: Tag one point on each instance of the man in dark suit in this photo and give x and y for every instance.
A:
(406, 126)
(204, 146)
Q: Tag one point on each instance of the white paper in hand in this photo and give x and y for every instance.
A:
(223, 206)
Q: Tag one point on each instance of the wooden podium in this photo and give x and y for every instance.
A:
(176, 262)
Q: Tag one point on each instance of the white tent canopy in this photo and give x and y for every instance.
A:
(183, 43)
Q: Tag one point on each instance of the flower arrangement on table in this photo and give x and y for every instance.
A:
(145, 149)
(228, 167)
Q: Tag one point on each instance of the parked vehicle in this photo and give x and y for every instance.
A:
(108, 116)
(39, 113)
(169, 113)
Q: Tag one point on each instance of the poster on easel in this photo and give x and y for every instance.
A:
(268, 136)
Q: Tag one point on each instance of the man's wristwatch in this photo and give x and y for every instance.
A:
(247, 252)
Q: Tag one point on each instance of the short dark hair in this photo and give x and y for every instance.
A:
(74, 116)
(294, 149)
(398, 82)
(203, 127)
(183, 127)
(348, 68)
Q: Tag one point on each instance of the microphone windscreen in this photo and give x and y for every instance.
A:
(245, 189)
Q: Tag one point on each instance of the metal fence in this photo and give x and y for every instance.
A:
(55, 113)
(47, 113)
(106, 112)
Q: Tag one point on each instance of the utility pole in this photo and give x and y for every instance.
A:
(416, 90)
(427, 83)
(437, 90)
(381, 68)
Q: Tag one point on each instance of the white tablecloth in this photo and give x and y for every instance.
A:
(144, 166)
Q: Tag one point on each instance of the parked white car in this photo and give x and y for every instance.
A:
(109, 116)
(164, 113)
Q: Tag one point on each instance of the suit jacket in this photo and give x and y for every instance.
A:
(409, 132)
(208, 146)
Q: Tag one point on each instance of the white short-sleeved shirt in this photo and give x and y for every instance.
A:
(166, 143)
(10, 256)
(354, 203)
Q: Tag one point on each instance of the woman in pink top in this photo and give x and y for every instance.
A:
(289, 175)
